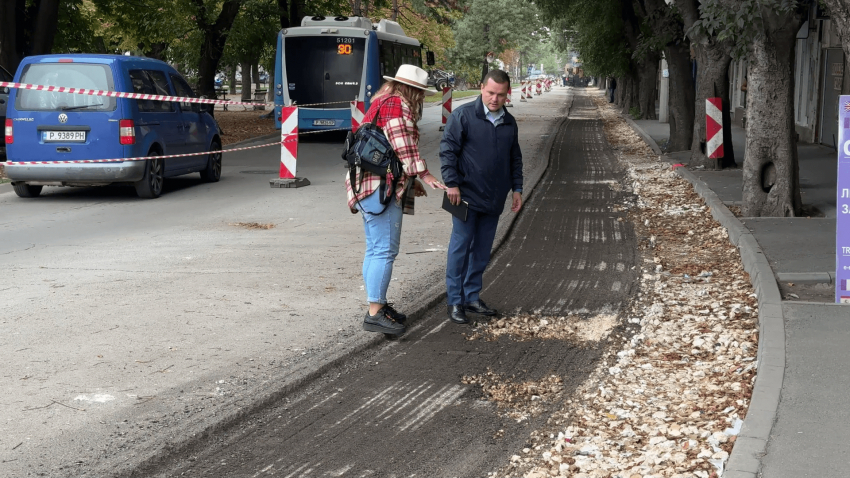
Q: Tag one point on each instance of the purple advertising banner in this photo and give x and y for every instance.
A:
(842, 219)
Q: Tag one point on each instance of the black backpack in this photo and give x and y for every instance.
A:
(368, 149)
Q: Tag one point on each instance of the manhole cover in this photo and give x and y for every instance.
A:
(270, 171)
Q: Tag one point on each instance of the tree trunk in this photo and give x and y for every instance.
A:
(46, 21)
(231, 79)
(629, 97)
(648, 86)
(713, 62)
(270, 93)
(212, 45)
(9, 57)
(246, 80)
(156, 50)
(283, 12)
(771, 168)
(255, 75)
(681, 98)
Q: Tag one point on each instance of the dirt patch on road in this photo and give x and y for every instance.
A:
(239, 126)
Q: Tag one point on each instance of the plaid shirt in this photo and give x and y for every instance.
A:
(396, 120)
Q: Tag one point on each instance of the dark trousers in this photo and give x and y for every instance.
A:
(468, 255)
(613, 90)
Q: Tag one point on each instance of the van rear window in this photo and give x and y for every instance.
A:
(72, 75)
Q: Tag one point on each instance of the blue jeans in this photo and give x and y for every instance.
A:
(383, 235)
(468, 255)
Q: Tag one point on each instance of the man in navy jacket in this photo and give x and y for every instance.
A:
(481, 163)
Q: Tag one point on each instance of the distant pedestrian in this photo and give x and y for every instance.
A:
(613, 89)
(481, 162)
(398, 106)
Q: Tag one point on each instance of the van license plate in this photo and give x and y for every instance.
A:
(63, 136)
(323, 122)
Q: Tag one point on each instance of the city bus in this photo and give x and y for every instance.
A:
(327, 62)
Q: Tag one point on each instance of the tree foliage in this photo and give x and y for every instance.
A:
(740, 22)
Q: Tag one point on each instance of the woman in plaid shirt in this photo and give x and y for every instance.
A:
(398, 106)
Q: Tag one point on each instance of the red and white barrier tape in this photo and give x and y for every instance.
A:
(143, 158)
(142, 96)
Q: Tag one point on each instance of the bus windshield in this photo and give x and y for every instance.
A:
(324, 69)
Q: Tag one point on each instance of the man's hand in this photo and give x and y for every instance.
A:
(454, 195)
(517, 202)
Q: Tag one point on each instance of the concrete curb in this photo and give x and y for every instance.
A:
(333, 359)
(751, 444)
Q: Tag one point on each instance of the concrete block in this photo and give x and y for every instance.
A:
(773, 356)
(767, 389)
(289, 183)
(805, 277)
(746, 456)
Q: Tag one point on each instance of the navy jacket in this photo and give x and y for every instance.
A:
(483, 160)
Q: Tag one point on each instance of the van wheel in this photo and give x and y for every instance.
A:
(150, 186)
(25, 190)
(212, 173)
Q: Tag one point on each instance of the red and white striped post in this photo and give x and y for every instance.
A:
(539, 88)
(530, 91)
(714, 130)
(358, 112)
(288, 150)
(508, 100)
(447, 106)
(522, 92)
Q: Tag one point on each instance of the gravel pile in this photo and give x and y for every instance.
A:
(670, 398)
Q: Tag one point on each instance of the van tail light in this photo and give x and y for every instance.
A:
(10, 135)
(126, 131)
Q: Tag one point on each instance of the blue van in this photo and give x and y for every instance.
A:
(49, 126)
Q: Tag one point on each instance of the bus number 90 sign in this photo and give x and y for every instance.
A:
(343, 49)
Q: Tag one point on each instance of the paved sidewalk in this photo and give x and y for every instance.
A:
(797, 422)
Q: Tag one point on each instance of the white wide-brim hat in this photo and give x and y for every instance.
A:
(414, 76)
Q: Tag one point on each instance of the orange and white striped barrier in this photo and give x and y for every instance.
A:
(447, 106)
(714, 127)
(358, 112)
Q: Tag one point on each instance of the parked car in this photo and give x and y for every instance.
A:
(4, 98)
(48, 126)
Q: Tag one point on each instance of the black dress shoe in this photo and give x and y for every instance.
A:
(457, 315)
(479, 307)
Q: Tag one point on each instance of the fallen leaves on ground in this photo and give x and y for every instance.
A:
(668, 399)
(238, 126)
(517, 400)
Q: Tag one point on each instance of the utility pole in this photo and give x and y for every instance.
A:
(395, 11)
(357, 11)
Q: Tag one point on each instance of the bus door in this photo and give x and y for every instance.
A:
(324, 69)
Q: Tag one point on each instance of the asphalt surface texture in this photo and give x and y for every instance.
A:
(401, 409)
(129, 327)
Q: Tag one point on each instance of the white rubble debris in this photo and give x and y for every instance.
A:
(670, 398)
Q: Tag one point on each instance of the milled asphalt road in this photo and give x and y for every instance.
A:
(401, 409)
(127, 326)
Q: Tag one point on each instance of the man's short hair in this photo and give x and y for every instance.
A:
(498, 76)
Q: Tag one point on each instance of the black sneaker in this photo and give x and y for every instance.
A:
(394, 314)
(383, 323)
